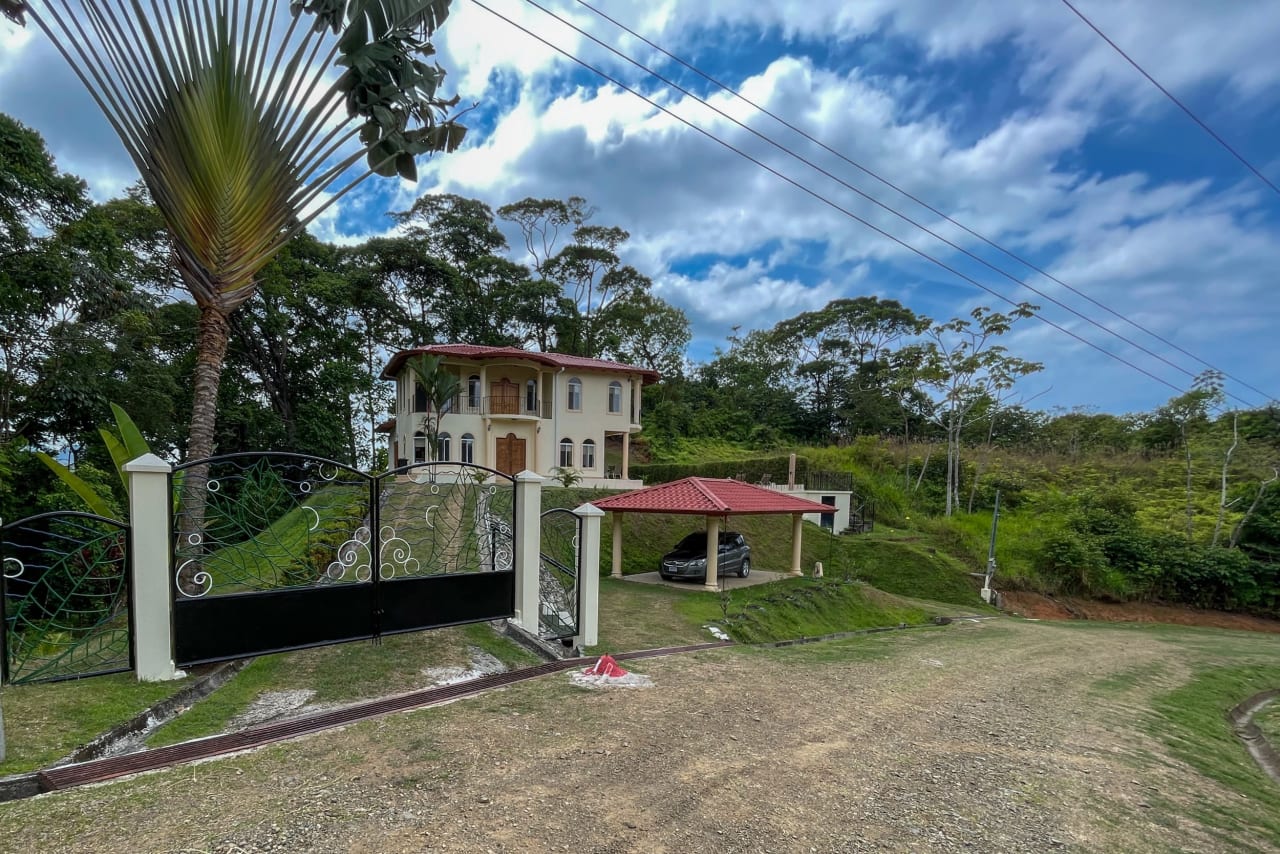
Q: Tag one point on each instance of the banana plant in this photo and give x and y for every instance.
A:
(125, 443)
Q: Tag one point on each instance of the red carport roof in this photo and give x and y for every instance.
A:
(708, 496)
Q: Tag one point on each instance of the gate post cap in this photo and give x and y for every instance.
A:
(148, 463)
(588, 510)
(527, 476)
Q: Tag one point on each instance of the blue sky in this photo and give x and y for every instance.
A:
(1009, 115)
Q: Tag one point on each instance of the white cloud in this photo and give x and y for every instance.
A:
(1188, 254)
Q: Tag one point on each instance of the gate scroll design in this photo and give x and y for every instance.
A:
(283, 551)
(64, 598)
(559, 591)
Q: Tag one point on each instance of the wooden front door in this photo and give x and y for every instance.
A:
(510, 453)
(504, 398)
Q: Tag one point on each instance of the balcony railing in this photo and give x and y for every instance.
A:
(829, 481)
(497, 406)
(520, 406)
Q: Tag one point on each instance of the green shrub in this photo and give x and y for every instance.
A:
(1069, 560)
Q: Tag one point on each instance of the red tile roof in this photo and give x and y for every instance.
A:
(480, 353)
(707, 496)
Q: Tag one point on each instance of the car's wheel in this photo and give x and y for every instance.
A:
(745, 569)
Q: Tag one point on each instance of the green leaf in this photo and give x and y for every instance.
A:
(405, 166)
(95, 502)
(356, 35)
(130, 434)
(119, 454)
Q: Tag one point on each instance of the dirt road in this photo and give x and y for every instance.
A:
(986, 736)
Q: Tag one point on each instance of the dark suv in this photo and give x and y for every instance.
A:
(689, 558)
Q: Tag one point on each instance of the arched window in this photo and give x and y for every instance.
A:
(468, 448)
(575, 395)
(419, 397)
(615, 396)
(566, 453)
(419, 447)
(531, 397)
(473, 392)
(442, 447)
(588, 454)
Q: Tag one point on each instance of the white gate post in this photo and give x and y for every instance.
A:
(589, 575)
(528, 548)
(151, 597)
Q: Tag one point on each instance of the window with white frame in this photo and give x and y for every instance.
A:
(615, 397)
(442, 446)
(575, 395)
(468, 448)
(566, 453)
(588, 454)
(531, 397)
(473, 392)
(419, 447)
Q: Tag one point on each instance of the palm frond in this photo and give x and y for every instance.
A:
(241, 135)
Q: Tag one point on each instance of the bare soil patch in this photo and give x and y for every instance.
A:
(1039, 607)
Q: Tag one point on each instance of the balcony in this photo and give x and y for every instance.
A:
(510, 406)
(506, 406)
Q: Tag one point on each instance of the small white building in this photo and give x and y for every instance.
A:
(518, 410)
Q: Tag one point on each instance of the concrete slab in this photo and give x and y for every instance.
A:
(733, 582)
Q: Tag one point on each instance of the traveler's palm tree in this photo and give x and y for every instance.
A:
(245, 124)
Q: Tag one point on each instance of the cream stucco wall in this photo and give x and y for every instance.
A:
(475, 414)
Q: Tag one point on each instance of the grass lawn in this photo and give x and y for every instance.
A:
(44, 723)
(1191, 720)
(343, 673)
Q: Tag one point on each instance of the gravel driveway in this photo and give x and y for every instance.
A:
(985, 737)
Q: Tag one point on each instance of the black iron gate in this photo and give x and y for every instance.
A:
(64, 597)
(284, 551)
(559, 591)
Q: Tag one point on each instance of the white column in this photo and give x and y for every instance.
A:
(589, 575)
(616, 569)
(713, 552)
(797, 531)
(528, 546)
(626, 455)
(150, 588)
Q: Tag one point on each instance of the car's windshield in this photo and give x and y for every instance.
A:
(693, 541)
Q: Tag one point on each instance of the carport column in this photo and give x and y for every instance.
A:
(713, 551)
(616, 570)
(589, 575)
(797, 532)
(149, 588)
(528, 543)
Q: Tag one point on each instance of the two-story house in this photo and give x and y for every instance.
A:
(519, 410)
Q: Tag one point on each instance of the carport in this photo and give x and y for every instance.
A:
(716, 499)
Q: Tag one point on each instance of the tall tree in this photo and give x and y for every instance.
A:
(36, 276)
(236, 130)
(836, 346)
(965, 366)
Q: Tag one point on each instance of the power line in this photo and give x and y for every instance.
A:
(868, 197)
(816, 195)
(886, 182)
(1237, 155)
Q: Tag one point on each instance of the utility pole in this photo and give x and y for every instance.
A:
(988, 595)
